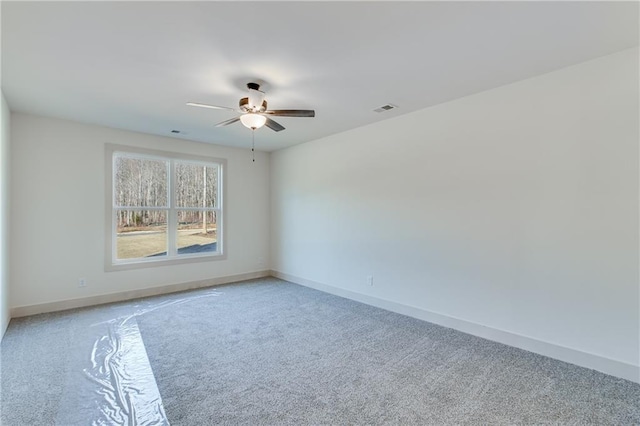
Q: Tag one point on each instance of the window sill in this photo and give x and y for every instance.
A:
(125, 266)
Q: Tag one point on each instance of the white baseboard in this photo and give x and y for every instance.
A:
(583, 359)
(22, 311)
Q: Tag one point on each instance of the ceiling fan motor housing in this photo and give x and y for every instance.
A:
(244, 106)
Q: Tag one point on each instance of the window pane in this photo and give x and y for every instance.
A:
(196, 185)
(140, 182)
(197, 232)
(141, 233)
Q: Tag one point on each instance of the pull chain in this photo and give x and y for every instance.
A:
(253, 144)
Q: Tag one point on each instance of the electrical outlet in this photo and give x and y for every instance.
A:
(82, 282)
(370, 280)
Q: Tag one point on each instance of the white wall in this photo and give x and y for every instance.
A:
(58, 208)
(4, 213)
(515, 209)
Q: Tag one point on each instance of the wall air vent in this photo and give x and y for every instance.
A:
(386, 107)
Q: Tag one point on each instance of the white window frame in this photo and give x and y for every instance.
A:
(112, 263)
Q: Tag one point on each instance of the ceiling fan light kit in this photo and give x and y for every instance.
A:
(253, 121)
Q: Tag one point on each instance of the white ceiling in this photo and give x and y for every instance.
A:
(134, 65)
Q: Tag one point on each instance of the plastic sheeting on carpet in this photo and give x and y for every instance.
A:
(106, 377)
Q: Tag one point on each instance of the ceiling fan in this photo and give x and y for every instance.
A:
(254, 112)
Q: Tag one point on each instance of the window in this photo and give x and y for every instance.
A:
(162, 208)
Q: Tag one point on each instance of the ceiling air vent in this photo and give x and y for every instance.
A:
(386, 107)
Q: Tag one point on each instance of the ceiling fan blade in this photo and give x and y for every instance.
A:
(208, 106)
(292, 112)
(276, 127)
(227, 122)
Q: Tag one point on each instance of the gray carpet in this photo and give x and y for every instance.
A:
(269, 352)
